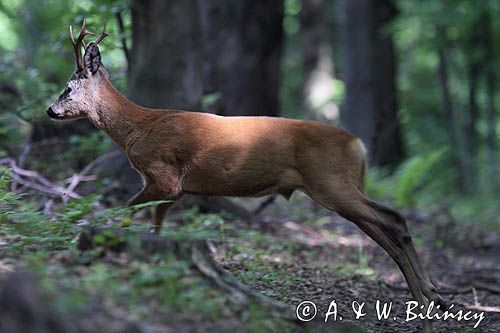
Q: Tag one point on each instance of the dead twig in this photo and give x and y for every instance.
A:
(53, 190)
(26, 173)
(82, 175)
(47, 208)
(486, 287)
(36, 181)
(20, 161)
(22, 157)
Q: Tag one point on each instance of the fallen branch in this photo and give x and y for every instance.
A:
(82, 175)
(241, 293)
(483, 286)
(53, 190)
(36, 181)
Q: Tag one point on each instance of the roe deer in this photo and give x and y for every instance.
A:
(179, 152)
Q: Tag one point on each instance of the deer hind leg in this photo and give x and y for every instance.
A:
(385, 226)
(406, 242)
(393, 226)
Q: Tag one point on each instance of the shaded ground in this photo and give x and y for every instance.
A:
(293, 251)
(327, 258)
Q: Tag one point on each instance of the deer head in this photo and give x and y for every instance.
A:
(82, 89)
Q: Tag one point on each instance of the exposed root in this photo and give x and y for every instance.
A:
(196, 251)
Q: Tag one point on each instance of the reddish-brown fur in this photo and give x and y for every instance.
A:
(180, 152)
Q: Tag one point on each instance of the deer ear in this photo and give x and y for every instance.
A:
(91, 59)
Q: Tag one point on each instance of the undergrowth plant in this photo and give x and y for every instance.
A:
(35, 231)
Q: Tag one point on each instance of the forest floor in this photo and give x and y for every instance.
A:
(292, 252)
(326, 258)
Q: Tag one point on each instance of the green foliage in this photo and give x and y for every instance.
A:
(291, 23)
(36, 59)
(209, 100)
(419, 43)
(477, 210)
(292, 79)
(8, 199)
(428, 178)
(410, 183)
(18, 217)
(413, 175)
(86, 147)
(36, 232)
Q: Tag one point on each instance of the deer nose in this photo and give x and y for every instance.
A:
(51, 112)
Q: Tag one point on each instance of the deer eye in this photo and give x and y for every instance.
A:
(65, 92)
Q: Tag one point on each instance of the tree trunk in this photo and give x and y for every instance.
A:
(470, 131)
(165, 68)
(319, 83)
(240, 42)
(475, 67)
(491, 113)
(369, 70)
(449, 118)
(242, 47)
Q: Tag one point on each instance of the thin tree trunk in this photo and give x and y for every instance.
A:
(491, 113)
(491, 136)
(449, 118)
(317, 63)
(475, 67)
(388, 146)
(470, 131)
(369, 69)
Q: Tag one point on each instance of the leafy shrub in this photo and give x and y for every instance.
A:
(411, 181)
(413, 175)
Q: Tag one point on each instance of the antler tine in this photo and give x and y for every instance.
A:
(71, 34)
(79, 42)
(102, 35)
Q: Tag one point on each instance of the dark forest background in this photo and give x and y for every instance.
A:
(416, 80)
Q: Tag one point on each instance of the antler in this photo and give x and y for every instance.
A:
(78, 44)
(102, 35)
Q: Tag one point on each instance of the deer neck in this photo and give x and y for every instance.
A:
(117, 116)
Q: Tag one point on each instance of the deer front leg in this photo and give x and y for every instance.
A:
(160, 212)
(161, 183)
(147, 194)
